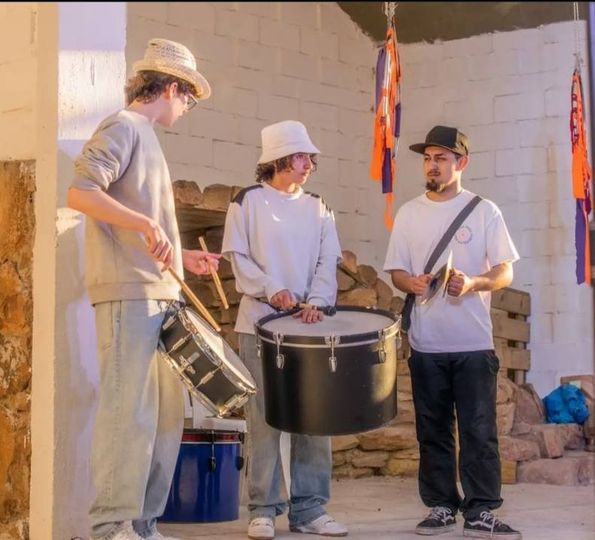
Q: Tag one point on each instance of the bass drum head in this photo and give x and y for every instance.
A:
(350, 323)
(222, 350)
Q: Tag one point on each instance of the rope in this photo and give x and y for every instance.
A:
(577, 43)
(389, 11)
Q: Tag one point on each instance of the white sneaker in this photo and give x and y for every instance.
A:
(158, 536)
(261, 528)
(126, 532)
(324, 525)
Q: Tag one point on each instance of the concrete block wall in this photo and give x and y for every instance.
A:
(268, 62)
(510, 92)
(18, 73)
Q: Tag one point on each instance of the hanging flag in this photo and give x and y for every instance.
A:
(581, 180)
(387, 122)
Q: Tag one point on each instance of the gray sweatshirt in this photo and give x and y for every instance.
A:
(124, 159)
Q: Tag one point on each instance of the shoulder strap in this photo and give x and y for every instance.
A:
(444, 241)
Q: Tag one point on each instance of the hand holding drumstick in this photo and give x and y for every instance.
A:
(195, 261)
(213, 270)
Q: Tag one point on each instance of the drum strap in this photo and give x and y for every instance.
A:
(438, 250)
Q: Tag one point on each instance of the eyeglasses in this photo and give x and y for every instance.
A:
(191, 102)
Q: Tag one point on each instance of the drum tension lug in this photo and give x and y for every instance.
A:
(331, 342)
(186, 363)
(280, 357)
(212, 459)
(381, 349)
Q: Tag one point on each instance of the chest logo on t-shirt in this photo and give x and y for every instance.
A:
(464, 235)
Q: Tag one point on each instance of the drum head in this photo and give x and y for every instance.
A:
(222, 350)
(348, 321)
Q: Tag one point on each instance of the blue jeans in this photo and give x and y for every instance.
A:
(139, 420)
(310, 462)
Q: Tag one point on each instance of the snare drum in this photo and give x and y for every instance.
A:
(334, 377)
(206, 364)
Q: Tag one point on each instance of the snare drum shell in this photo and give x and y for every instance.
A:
(305, 396)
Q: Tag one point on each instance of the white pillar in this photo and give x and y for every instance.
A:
(81, 75)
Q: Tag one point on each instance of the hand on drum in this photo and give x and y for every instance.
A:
(309, 315)
(283, 300)
(198, 262)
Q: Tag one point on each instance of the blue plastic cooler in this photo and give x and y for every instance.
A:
(205, 487)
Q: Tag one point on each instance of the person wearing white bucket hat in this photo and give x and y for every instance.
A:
(122, 184)
(283, 247)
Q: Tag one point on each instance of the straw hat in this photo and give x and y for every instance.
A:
(174, 59)
(283, 139)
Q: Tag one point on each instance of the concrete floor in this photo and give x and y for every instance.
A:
(384, 508)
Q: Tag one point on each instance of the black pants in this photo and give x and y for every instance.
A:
(467, 381)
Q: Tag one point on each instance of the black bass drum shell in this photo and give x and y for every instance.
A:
(306, 396)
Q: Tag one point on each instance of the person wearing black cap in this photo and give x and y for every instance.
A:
(453, 365)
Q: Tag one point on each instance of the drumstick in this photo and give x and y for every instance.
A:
(197, 303)
(214, 275)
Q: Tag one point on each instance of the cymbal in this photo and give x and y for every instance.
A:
(438, 282)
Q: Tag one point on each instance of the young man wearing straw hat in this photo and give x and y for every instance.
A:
(122, 184)
(283, 247)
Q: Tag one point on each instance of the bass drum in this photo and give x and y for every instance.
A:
(334, 377)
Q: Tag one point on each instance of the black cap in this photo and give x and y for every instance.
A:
(446, 137)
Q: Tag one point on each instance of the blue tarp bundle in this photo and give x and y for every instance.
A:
(566, 405)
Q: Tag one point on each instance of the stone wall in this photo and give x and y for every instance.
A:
(531, 450)
(17, 186)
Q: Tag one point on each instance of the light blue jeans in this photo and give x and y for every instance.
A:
(140, 418)
(310, 462)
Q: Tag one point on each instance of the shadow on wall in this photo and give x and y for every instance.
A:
(77, 373)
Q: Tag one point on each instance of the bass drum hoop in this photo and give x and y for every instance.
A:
(345, 339)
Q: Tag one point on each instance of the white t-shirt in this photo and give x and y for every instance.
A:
(277, 241)
(446, 323)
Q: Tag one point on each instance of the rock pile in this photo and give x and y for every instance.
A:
(531, 450)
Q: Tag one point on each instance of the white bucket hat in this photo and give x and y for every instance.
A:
(283, 139)
(173, 59)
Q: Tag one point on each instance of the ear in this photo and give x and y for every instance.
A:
(462, 162)
(171, 90)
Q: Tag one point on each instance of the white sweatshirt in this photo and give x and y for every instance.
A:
(277, 241)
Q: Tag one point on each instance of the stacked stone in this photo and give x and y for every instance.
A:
(544, 453)
(202, 213)
(17, 223)
(531, 450)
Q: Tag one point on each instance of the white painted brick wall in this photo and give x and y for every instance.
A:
(308, 61)
(509, 91)
(270, 62)
(18, 73)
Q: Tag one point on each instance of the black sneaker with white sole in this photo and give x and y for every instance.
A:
(440, 520)
(488, 526)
